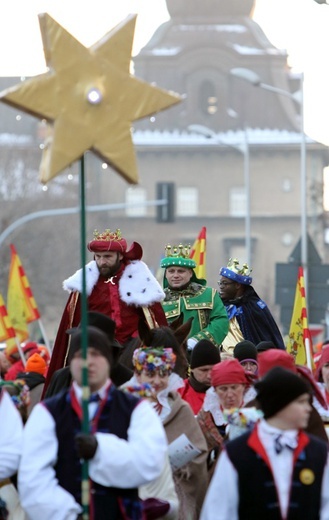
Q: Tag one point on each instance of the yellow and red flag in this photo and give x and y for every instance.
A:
(198, 253)
(21, 305)
(6, 329)
(299, 342)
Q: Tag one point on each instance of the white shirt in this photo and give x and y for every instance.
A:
(164, 488)
(117, 462)
(11, 429)
(222, 499)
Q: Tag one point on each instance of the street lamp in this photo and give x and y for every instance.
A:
(254, 79)
(244, 149)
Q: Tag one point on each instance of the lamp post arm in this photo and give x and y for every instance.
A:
(69, 211)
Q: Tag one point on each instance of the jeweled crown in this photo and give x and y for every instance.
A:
(181, 250)
(107, 235)
(233, 265)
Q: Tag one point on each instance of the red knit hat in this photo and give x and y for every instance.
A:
(12, 352)
(228, 372)
(114, 241)
(274, 358)
(36, 363)
(30, 347)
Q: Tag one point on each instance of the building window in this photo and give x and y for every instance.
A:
(136, 195)
(187, 202)
(208, 98)
(286, 185)
(238, 203)
(326, 189)
(236, 248)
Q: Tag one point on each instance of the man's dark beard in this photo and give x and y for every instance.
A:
(110, 271)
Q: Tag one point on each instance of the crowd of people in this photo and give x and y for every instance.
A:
(129, 420)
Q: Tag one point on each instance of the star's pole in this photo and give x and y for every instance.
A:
(85, 486)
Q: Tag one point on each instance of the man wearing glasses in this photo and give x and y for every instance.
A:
(249, 316)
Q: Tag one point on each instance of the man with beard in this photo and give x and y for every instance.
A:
(119, 285)
(250, 318)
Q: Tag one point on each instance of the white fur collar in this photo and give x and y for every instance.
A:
(137, 285)
(74, 282)
(211, 403)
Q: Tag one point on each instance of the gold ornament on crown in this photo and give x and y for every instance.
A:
(181, 250)
(233, 265)
(107, 235)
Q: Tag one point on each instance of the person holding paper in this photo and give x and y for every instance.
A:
(189, 452)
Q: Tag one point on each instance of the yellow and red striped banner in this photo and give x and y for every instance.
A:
(21, 305)
(6, 329)
(299, 342)
(198, 253)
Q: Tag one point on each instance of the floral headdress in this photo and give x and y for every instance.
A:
(143, 390)
(154, 358)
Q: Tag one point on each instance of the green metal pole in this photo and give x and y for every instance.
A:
(85, 487)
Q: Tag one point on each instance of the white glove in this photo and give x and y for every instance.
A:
(191, 342)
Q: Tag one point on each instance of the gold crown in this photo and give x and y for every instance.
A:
(181, 250)
(233, 265)
(107, 235)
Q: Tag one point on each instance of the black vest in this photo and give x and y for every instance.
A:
(109, 503)
(258, 498)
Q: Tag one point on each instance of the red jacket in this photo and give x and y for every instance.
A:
(192, 397)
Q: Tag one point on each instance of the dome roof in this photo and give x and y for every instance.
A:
(205, 8)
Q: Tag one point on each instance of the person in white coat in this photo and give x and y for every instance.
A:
(125, 449)
(10, 436)
(275, 471)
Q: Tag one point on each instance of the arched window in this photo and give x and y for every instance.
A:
(208, 98)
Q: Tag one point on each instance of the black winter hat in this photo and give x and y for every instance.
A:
(278, 388)
(95, 339)
(265, 345)
(245, 350)
(204, 353)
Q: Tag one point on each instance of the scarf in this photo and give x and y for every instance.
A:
(197, 386)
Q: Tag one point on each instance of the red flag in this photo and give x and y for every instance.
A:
(21, 305)
(299, 340)
(6, 329)
(198, 253)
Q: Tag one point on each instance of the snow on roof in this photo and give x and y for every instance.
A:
(14, 139)
(166, 51)
(236, 28)
(231, 138)
(243, 49)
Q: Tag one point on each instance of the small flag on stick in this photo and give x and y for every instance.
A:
(198, 253)
(299, 341)
(21, 305)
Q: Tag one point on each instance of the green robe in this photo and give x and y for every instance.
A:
(203, 304)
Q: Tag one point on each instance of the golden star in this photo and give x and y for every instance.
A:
(89, 98)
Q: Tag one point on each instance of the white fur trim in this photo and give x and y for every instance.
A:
(74, 282)
(211, 403)
(138, 286)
